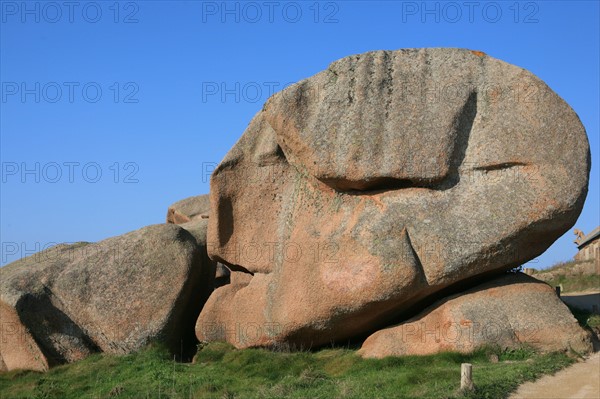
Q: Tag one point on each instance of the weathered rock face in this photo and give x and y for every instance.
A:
(114, 296)
(197, 228)
(17, 345)
(382, 180)
(510, 311)
(186, 210)
(192, 214)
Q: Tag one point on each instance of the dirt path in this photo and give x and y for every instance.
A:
(580, 381)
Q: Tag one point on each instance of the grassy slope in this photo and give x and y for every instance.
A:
(223, 372)
(571, 276)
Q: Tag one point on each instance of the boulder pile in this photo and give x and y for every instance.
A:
(388, 194)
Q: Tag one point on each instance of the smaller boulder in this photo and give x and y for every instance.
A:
(115, 296)
(509, 311)
(189, 209)
(18, 349)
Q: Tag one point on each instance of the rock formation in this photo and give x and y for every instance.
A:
(192, 214)
(353, 198)
(384, 180)
(114, 296)
(508, 311)
(186, 210)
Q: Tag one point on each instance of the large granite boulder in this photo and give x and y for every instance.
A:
(392, 175)
(509, 311)
(113, 296)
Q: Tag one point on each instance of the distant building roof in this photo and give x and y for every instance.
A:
(590, 237)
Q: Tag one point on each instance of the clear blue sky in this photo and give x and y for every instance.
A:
(157, 128)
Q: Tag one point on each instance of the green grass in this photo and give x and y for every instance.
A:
(571, 281)
(223, 372)
(575, 283)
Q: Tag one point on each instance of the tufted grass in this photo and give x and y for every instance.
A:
(224, 372)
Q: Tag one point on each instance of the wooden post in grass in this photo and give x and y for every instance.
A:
(466, 377)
